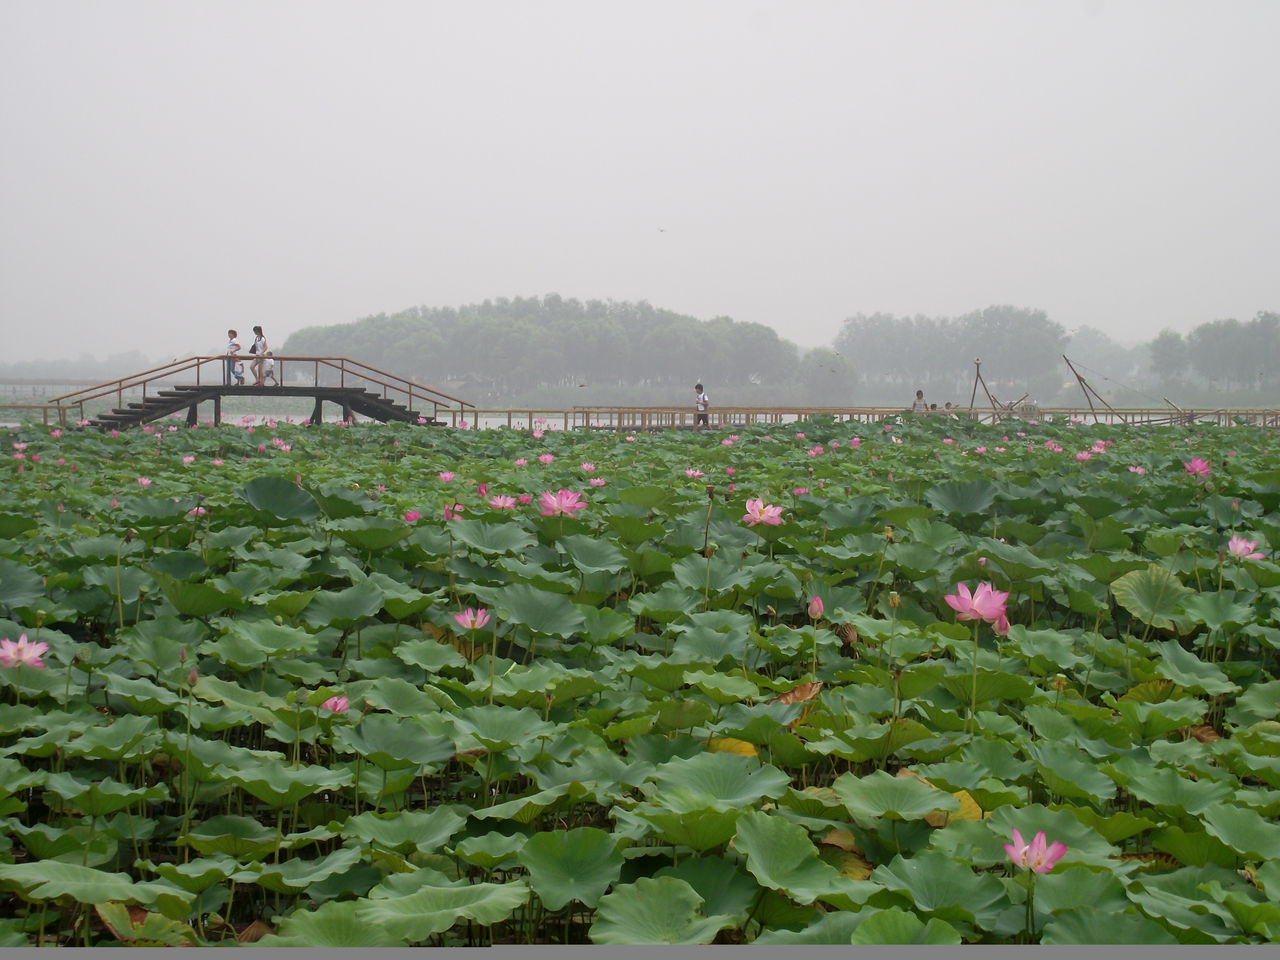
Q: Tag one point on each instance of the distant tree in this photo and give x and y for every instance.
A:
(1168, 352)
(825, 377)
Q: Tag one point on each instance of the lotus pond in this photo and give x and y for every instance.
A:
(367, 685)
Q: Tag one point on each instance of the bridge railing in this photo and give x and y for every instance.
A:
(211, 371)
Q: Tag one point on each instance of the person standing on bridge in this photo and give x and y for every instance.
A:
(233, 349)
(701, 401)
(259, 351)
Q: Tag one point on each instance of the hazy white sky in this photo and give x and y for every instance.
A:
(169, 169)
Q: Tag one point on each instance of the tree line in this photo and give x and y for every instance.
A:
(553, 351)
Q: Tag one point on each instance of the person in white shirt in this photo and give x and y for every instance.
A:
(233, 348)
(259, 350)
(919, 405)
(701, 401)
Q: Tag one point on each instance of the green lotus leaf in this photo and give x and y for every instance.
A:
(399, 697)
(524, 809)
(654, 910)
(699, 829)
(578, 864)
(724, 887)
(833, 928)
(1088, 925)
(593, 555)
(962, 496)
(241, 837)
(20, 586)
(1068, 772)
(141, 694)
(723, 688)
(552, 614)
(149, 930)
(126, 738)
(405, 830)
(368, 533)
(335, 925)
(937, 884)
(103, 796)
(500, 728)
(1244, 831)
(717, 781)
(893, 925)
(51, 880)
(1152, 595)
(198, 599)
(603, 625)
(281, 786)
(491, 849)
(431, 655)
(1218, 609)
(201, 873)
(77, 843)
(781, 856)
(492, 538)
(1074, 888)
(1177, 900)
(1190, 672)
(296, 874)
(431, 910)
(881, 794)
(393, 743)
(280, 499)
(342, 608)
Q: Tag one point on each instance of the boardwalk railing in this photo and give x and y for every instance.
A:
(640, 418)
(305, 371)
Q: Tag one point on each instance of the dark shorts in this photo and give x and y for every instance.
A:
(701, 418)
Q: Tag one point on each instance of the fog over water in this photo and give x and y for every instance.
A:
(175, 168)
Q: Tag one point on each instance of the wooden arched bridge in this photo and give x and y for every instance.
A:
(354, 387)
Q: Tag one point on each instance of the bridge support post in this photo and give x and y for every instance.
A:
(316, 413)
(217, 410)
(192, 419)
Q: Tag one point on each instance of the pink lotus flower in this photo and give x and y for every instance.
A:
(1197, 467)
(446, 476)
(217, 463)
(412, 516)
(1037, 855)
(730, 471)
(758, 512)
(561, 504)
(525, 499)
(482, 490)
(197, 512)
(144, 482)
(726, 442)
(597, 481)
(521, 461)
(472, 619)
(1138, 470)
(630, 439)
(800, 491)
(452, 510)
(587, 467)
(986, 603)
(546, 457)
(1084, 455)
(502, 503)
(1245, 549)
(691, 472)
(815, 451)
(815, 608)
(855, 443)
(337, 704)
(20, 653)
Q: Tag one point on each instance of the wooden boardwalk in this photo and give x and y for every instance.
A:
(356, 389)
